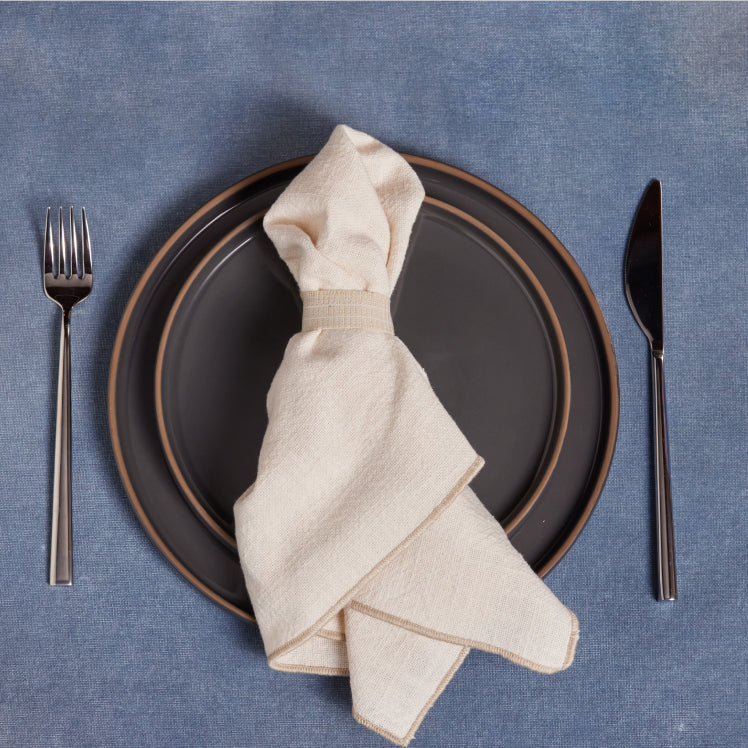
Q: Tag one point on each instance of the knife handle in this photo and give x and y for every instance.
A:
(665, 545)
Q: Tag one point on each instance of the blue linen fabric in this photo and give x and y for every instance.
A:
(142, 112)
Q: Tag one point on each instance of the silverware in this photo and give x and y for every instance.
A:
(643, 280)
(66, 281)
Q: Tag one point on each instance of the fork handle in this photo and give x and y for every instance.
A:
(61, 546)
(668, 589)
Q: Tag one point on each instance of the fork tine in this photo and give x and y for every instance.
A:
(64, 257)
(73, 246)
(86, 244)
(49, 246)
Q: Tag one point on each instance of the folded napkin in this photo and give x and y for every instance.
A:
(364, 551)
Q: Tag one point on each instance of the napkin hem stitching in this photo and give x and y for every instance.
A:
(314, 669)
(334, 635)
(573, 639)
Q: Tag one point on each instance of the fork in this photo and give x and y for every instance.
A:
(66, 286)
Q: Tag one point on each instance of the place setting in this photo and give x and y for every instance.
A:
(353, 373)
(368, 401)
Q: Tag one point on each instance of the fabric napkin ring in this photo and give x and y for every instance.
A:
(334, 309)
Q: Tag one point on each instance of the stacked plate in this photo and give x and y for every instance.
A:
(489, 302)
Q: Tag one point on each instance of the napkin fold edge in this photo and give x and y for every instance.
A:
(405, 739)
(474, 644)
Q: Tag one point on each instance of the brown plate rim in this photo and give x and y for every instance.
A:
(562, 393)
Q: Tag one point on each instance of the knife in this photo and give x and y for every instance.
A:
(643, 282)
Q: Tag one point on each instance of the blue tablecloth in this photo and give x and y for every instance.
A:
(141, 112)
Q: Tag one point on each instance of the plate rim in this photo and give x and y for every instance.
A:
(611, 435)
(171, 460)
(608, 436)
(562, 386)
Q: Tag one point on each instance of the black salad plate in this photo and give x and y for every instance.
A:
(500, 366)
(489, 302)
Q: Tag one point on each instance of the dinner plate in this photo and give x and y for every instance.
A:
(499, 365)
(550, 521)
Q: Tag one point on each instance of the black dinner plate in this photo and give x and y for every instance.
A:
(470, 348)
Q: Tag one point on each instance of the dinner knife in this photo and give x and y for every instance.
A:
(643, 282)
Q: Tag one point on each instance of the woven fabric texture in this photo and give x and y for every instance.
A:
(346, 310)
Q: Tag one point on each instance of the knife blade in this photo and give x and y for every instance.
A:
(643, 284)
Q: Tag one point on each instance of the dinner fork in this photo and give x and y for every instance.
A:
(66, 286)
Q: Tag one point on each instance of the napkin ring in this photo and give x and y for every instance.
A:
(333, 309)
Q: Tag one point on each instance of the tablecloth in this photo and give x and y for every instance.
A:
(142, 112)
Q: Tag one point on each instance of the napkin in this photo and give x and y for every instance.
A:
(364, 550)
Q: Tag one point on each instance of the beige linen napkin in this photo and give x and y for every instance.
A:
(363, 549)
